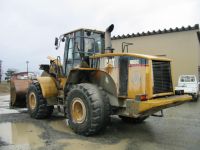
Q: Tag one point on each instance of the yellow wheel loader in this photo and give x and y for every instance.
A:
(94, 82)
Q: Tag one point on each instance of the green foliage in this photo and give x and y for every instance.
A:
(9, 73)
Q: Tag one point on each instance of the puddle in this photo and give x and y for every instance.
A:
(61, 126)
(86, 145)
(21, 135)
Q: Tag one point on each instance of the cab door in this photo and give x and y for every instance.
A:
(72, 53)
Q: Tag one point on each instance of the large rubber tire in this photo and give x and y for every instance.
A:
(133, 120)
(96, 108)
(41, 110)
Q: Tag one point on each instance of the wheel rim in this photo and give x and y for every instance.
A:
(78, 110)
(32, 100)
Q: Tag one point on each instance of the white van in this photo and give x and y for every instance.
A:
(188, 84)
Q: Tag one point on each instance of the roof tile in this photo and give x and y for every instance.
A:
(170, 30)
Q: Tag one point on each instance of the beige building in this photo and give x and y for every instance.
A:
(182, 45)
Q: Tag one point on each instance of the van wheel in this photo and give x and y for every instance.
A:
(195, 97)
(36, 104)
(133, 120)
(88, 109)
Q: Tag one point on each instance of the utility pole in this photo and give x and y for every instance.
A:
(27, 66)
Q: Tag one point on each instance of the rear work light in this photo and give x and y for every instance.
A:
(142, 97)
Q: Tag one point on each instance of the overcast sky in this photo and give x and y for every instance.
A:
(28, 27)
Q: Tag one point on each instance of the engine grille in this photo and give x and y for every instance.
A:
(162, 77)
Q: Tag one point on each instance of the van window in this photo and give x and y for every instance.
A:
(187, 79)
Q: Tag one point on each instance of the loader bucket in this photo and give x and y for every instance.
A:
(18, 89)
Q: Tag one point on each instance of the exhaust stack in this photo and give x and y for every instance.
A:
(108, 44)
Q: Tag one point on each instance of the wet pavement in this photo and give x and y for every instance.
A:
(178, 129)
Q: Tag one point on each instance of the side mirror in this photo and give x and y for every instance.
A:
(56, 41)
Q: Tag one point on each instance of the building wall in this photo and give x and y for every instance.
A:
(182, 47)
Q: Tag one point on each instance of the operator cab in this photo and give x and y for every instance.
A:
(79, 45)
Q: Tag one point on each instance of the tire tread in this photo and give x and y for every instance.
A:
(99, 108)
(42, 110)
